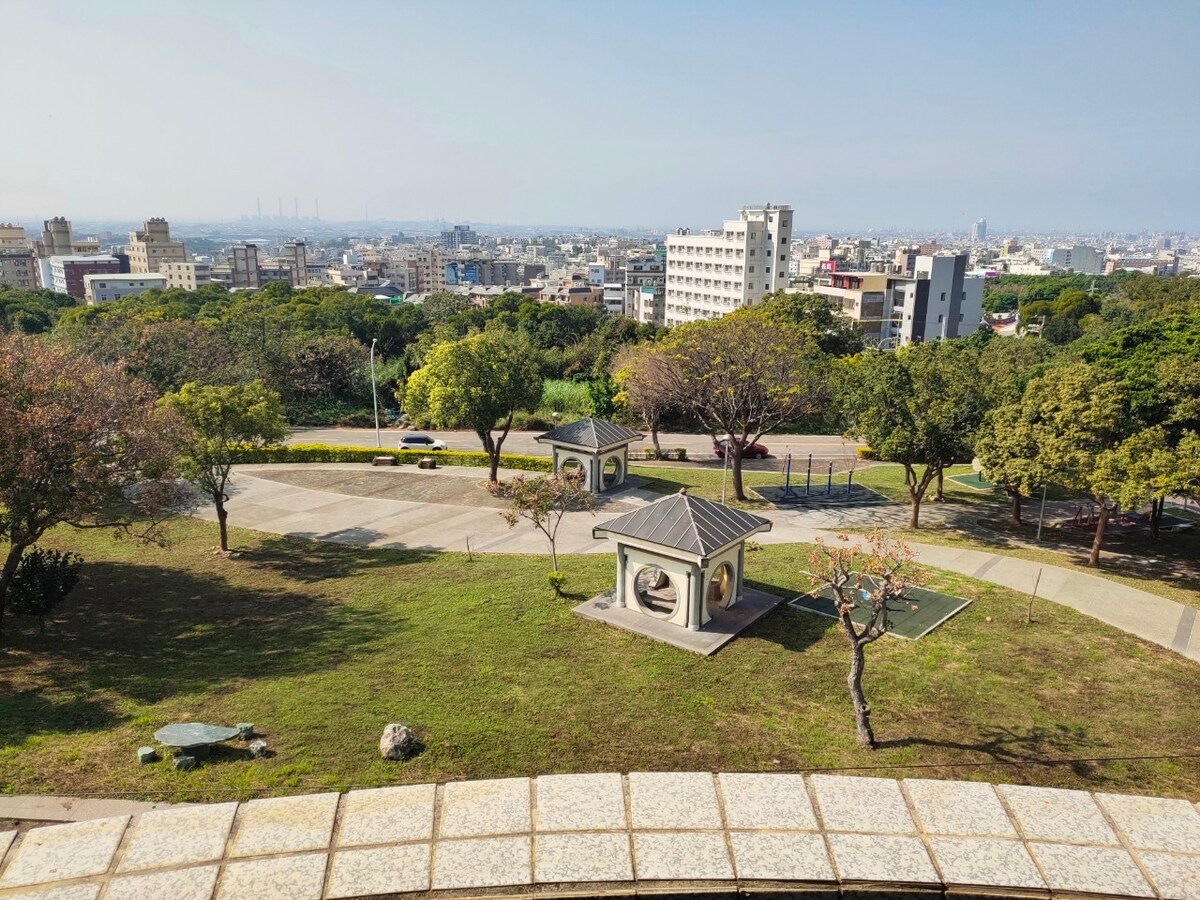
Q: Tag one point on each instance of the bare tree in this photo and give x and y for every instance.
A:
(543, 502)
(866, 578)
(640, 373)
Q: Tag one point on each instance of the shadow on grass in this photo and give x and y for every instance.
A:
(1017, 746)
(312, 558)
(147, 633)
(789, 628)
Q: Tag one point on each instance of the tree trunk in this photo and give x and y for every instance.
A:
(938, 496)
(914, 516)
(15, 552)
(736, 467)
(222, 520)
(1094, 557)
(654, 438)
(1016, 505)
(862, 710)
(1156, 509)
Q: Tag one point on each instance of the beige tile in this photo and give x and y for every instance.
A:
(478, 808)
(482, 862)
(1093, 870)
(379, 870)
(673, 800)
(882, 857)
(776, 856)
(967, 808)
(196, 883)
(1054, 814)
(681, 855)
(59, 852)
(285, 825)
(174, 837)
(580, 803)
(274, 878)
(583, 857)
(1154, 823)
(775, 802)
(861, 804)
(387, 815)
(985, 861)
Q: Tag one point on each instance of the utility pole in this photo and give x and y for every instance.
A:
(375, 394)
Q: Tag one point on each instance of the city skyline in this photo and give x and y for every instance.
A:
(645, 118)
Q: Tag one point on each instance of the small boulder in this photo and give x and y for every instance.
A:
(258, 749)
(398, 742)
(183, 763)
(147, 755)
(245, 730)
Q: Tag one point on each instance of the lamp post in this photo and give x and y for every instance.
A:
(375, 394)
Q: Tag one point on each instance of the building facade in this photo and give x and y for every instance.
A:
(458, 236)
(108, 287)
(67, 272)
(979, 231)
(243, 266)
(295, 256)
(152, 246)
(645, 289)
(186, 275)
(18, 263)
(715, 273)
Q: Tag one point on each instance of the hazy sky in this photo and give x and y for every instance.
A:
(1038, 115)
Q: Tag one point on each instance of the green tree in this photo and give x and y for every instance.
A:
(224, 423)
(834, 333)
(743, 375)
(42, 581)
(81, 444)
(919, 406)
(640, 375)
(477, 383)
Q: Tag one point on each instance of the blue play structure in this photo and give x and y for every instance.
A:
(787, 479)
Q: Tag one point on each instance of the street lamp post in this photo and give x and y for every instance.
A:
(375, 394)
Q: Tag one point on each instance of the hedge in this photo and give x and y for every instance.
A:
(308, 453)
(866, 453)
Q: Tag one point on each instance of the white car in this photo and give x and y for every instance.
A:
(418, 441)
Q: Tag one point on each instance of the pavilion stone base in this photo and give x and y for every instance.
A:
(711, 637)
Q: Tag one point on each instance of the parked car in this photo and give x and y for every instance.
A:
(418, 441)
(751, 451)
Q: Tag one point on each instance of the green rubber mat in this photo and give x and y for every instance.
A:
(973, 480)
(914, 617)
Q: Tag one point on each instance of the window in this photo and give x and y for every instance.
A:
(751, 269)
(768, 270)
(940, 319)
(943, 299)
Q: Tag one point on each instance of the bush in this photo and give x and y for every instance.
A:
(361, 419)
(43, 578)
(680, 454)
(866, 453)
(556, 580)
(532, 421)
(309, 453)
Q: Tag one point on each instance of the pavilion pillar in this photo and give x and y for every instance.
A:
(622, 561)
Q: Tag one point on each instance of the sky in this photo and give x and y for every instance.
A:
(1043, 116)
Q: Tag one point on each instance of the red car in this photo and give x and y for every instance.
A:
(751, 451)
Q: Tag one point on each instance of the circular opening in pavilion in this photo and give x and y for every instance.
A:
(720, 588)
(571, 467)
(611, 473)
(655, 591)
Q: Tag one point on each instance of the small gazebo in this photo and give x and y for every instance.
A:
(598, 448)
(681, 559)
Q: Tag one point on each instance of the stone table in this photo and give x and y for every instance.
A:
(194, 738)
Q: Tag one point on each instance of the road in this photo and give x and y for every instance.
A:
(698, 446)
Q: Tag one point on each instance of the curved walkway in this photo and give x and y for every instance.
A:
(363, 507)
(680, 833)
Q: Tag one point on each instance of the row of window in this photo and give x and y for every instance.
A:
(693, 250)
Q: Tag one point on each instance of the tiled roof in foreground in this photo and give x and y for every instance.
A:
(613, 835)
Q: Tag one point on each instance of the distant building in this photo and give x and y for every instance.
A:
(645, 289)
(574, 293)
(58, 240)
(186, 275)
(295, 256)
(67, 272)
(243, 266)
(979, 231)
(485, 272)
(457, 237)
(108, 287)
(152, 246)
(715, 273)
(18, 263)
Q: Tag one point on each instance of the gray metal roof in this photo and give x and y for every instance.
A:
(594, 433)
(686, 523)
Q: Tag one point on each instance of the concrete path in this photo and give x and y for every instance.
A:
(51, 808)
(646, 833)
(367, 511)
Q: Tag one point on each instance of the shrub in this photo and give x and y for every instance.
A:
(362, 418)
(309, 453)
(680, 454)
(866, 453)
(43, 578)
(532, 421)
(556, 580)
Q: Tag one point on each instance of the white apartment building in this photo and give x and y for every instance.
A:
(715, 273)
(18, 263)
(112, 286)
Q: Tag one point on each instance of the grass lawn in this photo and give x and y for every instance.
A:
(321, 645)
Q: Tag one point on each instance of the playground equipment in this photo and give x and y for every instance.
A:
(787, 479)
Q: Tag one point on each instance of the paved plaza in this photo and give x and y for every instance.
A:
(679, 833)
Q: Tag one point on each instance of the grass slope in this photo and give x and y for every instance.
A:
(321, 645)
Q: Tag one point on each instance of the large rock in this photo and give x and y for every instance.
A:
(147, 755)
(183, 763)
(398, 742)
(258, 749)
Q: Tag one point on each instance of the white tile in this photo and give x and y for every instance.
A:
(580, 803)
(582, 857)
(968, 808)
(1176, 877)
(178, 836)
(387, 815)
(59, 852)
(985, 861)
(482, 862)
(274, 878)
(777, 856)
(1096, 870)
(675, 856)
(285, 825)
(1054, 814)
(673, 800)
(862, 804)
(473, 808)
(196, 883)
(882, 857)
(1154, 823)
(778, 802)
(379, 870)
